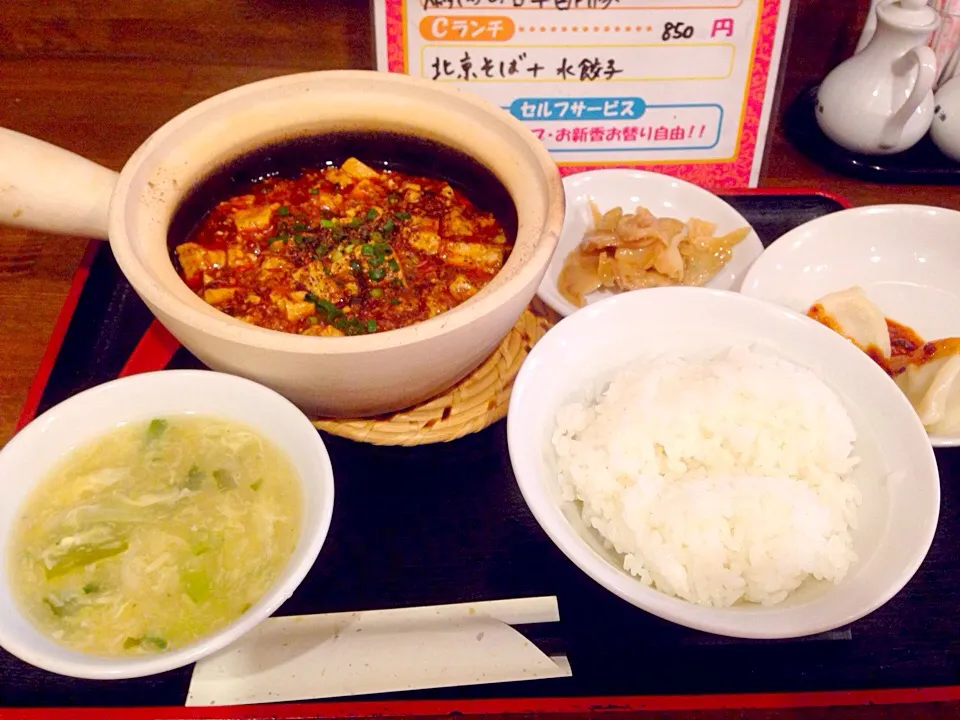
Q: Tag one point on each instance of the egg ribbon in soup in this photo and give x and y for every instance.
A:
(155, 535)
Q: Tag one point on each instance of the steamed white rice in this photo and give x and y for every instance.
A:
(718, 479)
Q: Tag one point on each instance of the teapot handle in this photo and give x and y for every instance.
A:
(926, 61)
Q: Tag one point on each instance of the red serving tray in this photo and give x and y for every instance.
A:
(155, 350)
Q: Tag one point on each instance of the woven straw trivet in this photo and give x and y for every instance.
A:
(478, 401)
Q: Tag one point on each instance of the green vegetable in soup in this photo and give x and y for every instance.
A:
(60, 607)
(80, 556)
(195, 478)
(156, 428)
(224, 480)
(147, 642)
(196, 583)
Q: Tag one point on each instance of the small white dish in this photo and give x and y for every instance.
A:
(26, 459)
(905, 257)
(897, 474)
(664, 196)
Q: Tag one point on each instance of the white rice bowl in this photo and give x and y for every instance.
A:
(894, 475)
(719, 478)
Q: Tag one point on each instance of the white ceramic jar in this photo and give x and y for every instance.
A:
(945, 128)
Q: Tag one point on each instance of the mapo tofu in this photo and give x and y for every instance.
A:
(346, 250)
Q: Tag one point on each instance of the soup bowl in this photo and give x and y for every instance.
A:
(28, 458)
(50, 189)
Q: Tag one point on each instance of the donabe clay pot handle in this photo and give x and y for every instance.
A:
(926, 76)
(44, 187)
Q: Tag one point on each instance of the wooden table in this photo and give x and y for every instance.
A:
(97, 76)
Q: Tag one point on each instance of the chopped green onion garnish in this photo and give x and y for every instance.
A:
(394, 265)
(283, 210)
(394, 301)
(371, 325)
(371, 214)
(376, 292)
(312, 320)
(402, 215)
(327, 223)
(329, 308)
(388, 226)
(314, 191)
(355, 266)
(377, 274)
(310, 297)
(367, 249)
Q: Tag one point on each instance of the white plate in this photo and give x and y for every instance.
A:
(906, 258)
(660, 194)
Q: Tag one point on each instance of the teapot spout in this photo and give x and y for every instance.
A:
(926, 62)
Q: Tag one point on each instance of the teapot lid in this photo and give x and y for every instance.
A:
(913, 14)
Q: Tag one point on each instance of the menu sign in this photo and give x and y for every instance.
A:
(678, 86)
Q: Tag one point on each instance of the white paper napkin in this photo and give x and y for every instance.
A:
(343, 654)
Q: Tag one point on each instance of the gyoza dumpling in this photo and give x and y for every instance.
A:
(851, 313)
(931, 382)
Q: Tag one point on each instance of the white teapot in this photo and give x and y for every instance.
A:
(880, 101)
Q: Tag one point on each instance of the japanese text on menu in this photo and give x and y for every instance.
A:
(645, 81)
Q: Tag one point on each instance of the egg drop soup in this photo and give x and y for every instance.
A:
(154, 535)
